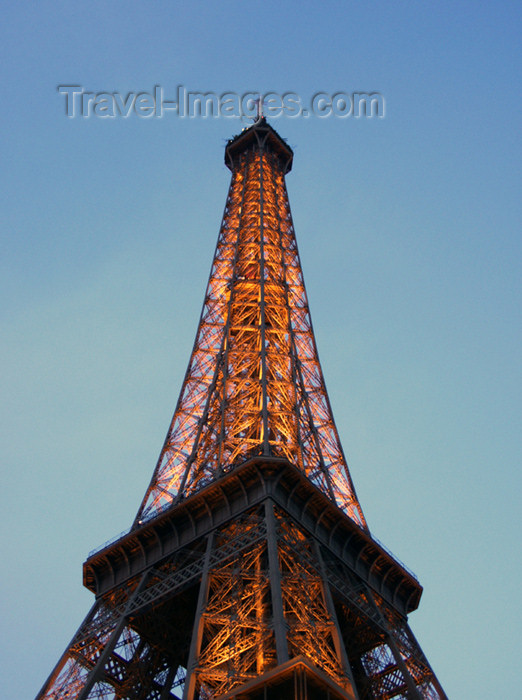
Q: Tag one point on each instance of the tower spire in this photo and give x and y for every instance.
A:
(259, 107)
(254, 385)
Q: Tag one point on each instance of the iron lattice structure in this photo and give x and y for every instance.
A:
(254, 384)
(249, 571)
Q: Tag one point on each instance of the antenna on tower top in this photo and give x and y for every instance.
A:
(260, 114)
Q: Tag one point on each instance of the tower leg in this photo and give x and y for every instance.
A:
(195, 644)
(57, 670)
(275, 585)
(98, 670)
(417, 675)
(339, 644)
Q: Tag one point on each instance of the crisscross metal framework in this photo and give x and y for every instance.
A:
(254, 385)
(233, 606)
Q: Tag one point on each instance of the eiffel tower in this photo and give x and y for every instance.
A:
(249, 572)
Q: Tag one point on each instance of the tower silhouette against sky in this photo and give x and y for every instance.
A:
(249, 572)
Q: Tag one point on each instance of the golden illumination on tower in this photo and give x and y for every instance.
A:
(254, 385)
(236, 639)
(249, 572)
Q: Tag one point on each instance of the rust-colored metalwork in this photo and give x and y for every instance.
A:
(254, 385)
(249, 572)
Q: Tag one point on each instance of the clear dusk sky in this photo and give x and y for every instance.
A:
(410, 239)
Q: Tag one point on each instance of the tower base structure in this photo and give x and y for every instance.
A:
(258, 586)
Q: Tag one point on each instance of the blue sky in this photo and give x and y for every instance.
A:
(409, 232)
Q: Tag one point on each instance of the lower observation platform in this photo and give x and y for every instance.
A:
(227, 498)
